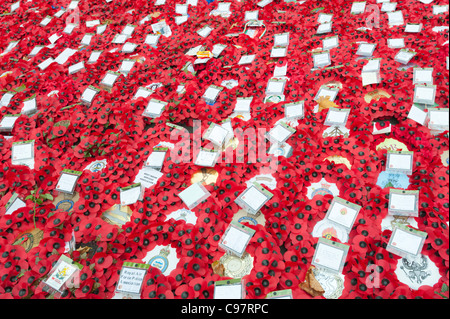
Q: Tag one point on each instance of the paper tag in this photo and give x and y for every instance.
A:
(343, 213)
(406, 241)
(330, 255)
(403, 202)
(236, 238)
(131, 278)
(254, 198)
(194, 195)
(229, 289)
(68, 181)
(400, 161)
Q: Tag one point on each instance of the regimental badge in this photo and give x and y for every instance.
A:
(236, 267)
(29, 239)
(117, 215)
(243, 216)
(322, 188)
(391, 144)
(337, 159)
(207, 176)
(160, 261)
(65, 201)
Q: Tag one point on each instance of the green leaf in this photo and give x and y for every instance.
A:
(47, 196)
(444, 288)
(38, 201)
(29, 197)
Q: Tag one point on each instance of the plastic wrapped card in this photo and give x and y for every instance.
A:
(321, 59)
(6, 98)
(246, 59)
(128, 47)
(156, 158)
(418, 113)
(236, 238)
(404, 56)
(130, 194)
(399, 161)
(395, 18)
(423, 76)
(425, 94)
(29, 106)
(207, 157)
(294, 110)
(358, 7)
(413, 27)
(109, 79)
(229, 289)
(343, 213)
(131, 279)
(94, 56)
(217, 49)
(406, 241)
(216, 134)
(366, 49)
(126, 66)
(86, 40)
(403, 202)
(68, 181)
(275, 86)
(147, 177)
(194, 195)
(205, 31)
(396, 43)
(89, 93)
(211, 93)
(438, 119)
(324, 28)
(65, 274)
(76, 67)
(280, 133)
(243, 104)
(281, 40)
(35, 50)
(336, 117)
(330, 255)
(330, 43)
(325, 91)
(154, 108)
(278, 52)
(13, 204)
(254, 198)
(7, 122)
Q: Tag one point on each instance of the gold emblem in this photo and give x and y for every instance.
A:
(207, 176)
(376, 95)
(117, 215)
(236, 267)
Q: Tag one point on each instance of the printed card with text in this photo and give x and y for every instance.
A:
(343, 213)
(130, 194)
(330, 255)
(400, 161)
(68, 181)
(194, 195)
(236, 238)
(254, 198)
(403, 202)
(406, 241)
(131, 279)
(229, 289)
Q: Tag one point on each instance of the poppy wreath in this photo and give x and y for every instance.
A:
(112, 128)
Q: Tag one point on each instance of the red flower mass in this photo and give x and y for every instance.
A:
(69, 133)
